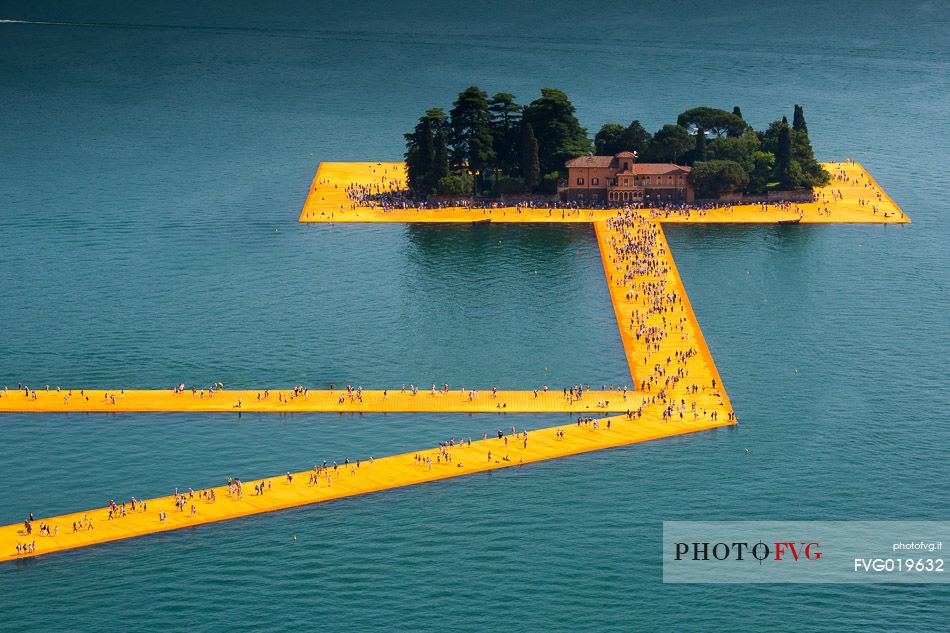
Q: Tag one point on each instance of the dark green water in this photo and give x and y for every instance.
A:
(154, 163)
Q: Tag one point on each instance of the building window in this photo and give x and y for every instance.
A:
(580, 181)
(595, 181)
(593, 196)
(580, 196)
(626, 182)
(669, 180)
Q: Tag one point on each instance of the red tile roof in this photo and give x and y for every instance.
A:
(637, 169)
(650, 169)
(590, 161)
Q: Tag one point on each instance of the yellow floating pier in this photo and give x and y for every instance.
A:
(675, 386)
(471, 400)
(95, 526)
(852, 197)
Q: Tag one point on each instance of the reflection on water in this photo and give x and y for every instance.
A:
(537, 243)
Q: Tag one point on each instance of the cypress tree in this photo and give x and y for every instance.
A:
(426, 152)
(440, 162)
(700, 145)
(420, 150)
(419, 155)
(783, 154)
(505, 124)
(736, 111)
(798, 120)
(471, 133)
(530, 166)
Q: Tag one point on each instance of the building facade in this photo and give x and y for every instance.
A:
(620, 180)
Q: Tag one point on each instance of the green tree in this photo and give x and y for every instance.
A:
(713, 120)
(783, 157)
(614, 138)
(425, 157)
(812, 173)
(505, 123)
(609, 139)
(636, 138)
(440, 162)
(559, 133)
(736, 111)
(421, 150)
(736, 148)
(669, 144)
(530, 166)
(454, 185)
(509, 184)
(798, 120)
(699, 153)
(471, 133)
(763, 166)
(549, 182)
(713, 178)
(795, 164)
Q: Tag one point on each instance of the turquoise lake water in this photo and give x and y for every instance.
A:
(155, 160)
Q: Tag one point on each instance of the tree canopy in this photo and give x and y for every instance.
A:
(713, 178)
(795, 164)
(471, 132)
(608, 140)
(506, 125)
(614, 138)
(423, 169)
(713, 120)
(496, 144)
(530, 166)
(498, 137)
(798, 120)
(669, 144)
(559, 133)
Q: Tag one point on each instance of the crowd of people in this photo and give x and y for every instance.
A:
(388, 193)
(658, 320)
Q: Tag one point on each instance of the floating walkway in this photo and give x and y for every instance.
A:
(345, 481)
(839, 202)
(675, 386)
(649, 367)
(472, 400)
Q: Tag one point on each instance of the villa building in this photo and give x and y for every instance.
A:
(618, 180)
